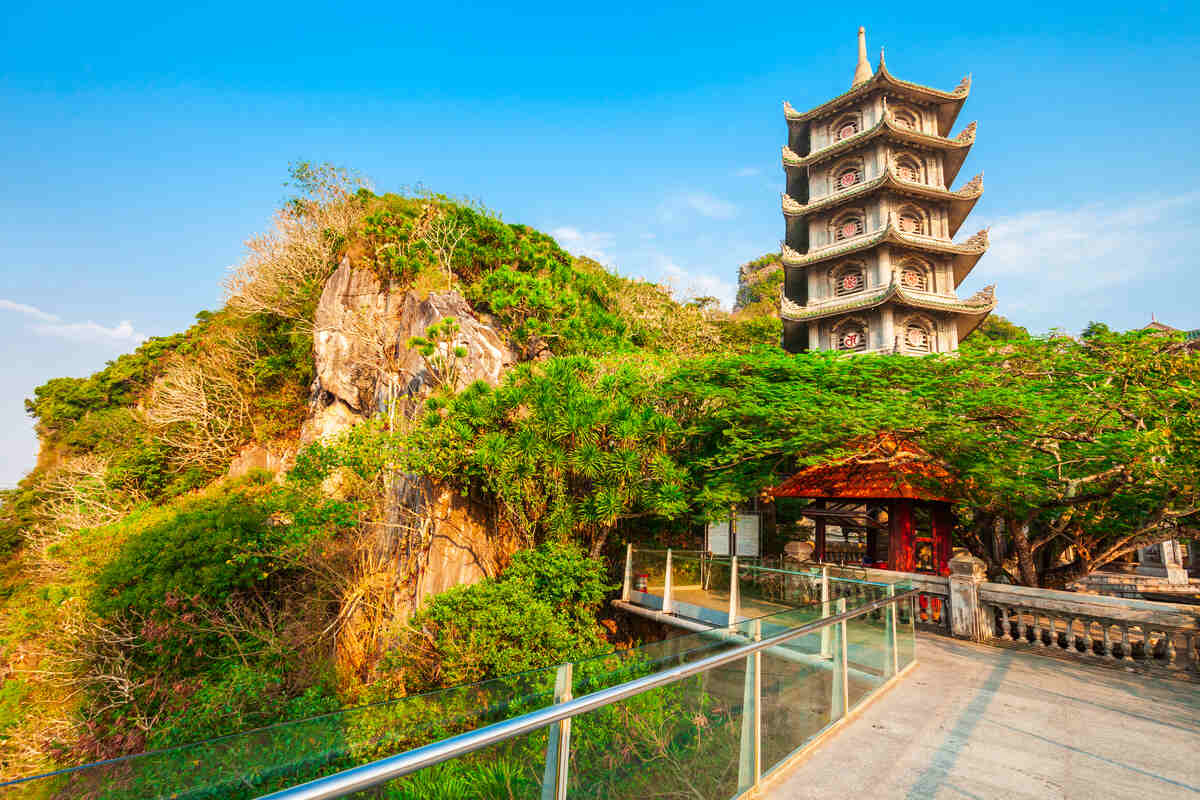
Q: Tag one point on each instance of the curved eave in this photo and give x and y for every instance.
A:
(964, 255)
(955, 150)
(948, 103)
(976, 308)
(960, 202)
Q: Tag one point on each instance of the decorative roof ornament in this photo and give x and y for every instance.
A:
(882, 63)
(862, 71)
(973, 185)
(964, 85)
(788, 253)
(980, 240)
(791, 206)
(967, 134)
(984, 296)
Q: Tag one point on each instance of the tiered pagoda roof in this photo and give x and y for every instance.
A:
(947, 103)
(955, 149)
(969, 313)
(960, 202)
(965, 255)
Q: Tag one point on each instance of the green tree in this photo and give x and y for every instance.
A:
(565, 449)
(1071, 454)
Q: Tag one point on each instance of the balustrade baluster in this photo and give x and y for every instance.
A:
(1037, 629)
(1126, 650)
(1071, 634)
(1169, 651)
(1108, 648)
(1021, 630)
(1003, 621)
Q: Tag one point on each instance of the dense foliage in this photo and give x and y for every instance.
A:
(540, 612)
(567, 448)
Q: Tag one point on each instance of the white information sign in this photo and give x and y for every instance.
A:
(747, 535)
(717, 538)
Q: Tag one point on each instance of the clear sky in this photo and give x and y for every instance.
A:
(140, 144)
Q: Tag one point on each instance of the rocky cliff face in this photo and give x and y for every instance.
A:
(360, 334)
(428, 538)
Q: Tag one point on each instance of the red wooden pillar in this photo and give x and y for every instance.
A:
(900, 543)
(819, 543)
(943, 531)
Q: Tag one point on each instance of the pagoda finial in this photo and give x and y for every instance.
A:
(862, 72)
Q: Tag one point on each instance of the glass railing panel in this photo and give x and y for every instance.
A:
(868, 655)
(681, 740)
(906, 630)
(648, 570)
(514, 769)
(252, 763)
(797, 696)
(707, 598)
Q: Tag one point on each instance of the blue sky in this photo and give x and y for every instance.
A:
(141, 144)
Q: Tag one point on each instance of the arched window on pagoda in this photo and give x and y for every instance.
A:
(850, 336)
(848, 226)
(909, 168)
(845, 127)
(914, 276)
(906, 118)
(917, 336)
(848, 279)
(847, 175)
(913, 221)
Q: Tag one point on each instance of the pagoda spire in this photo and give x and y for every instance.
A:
(862, 72)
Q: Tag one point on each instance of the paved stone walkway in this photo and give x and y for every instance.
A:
(973, 721)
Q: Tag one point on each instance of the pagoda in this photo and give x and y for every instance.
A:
(870, 262)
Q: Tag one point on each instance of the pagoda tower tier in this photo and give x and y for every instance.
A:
(870, 261)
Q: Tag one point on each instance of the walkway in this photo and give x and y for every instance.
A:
(973, 721)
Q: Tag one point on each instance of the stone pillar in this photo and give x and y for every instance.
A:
(968, 617)
(1163, 560)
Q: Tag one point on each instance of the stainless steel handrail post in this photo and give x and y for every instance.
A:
(826, 610)
(893, 641)
(627, 586)
(668, 602)
(558, 743)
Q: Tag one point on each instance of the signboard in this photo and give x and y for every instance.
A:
(748, 535)
(717, 538)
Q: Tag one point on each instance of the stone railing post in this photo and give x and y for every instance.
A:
(968, 618)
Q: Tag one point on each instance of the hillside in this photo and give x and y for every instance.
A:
(164, 581)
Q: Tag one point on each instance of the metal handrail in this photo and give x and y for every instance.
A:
(379, 772)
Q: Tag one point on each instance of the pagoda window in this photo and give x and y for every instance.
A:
(846, 176)
(848, 279)
(848, 226)
(914, 276)
(906, 119)
(844, 128)
(918, 336)
(909, 169)
(913, 221)
(850, 337)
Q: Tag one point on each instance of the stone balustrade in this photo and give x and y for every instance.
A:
(1155, 637)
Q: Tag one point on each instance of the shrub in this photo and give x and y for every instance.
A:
(540, 612)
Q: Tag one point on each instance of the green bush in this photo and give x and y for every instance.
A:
(540, 612)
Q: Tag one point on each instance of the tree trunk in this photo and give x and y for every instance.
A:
(1019, 530)
(598, 542)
